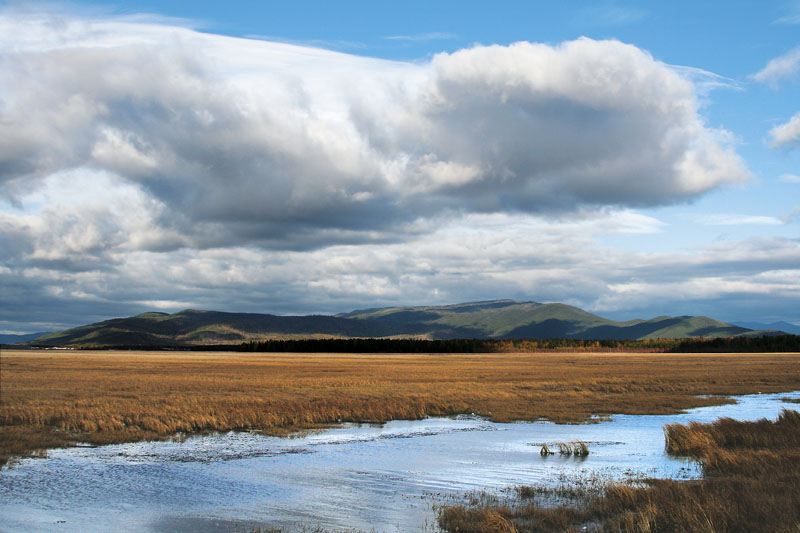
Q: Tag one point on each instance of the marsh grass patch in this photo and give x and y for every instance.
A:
(53, 399)
(751, 483)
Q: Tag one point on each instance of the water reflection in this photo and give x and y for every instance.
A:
(366, 477)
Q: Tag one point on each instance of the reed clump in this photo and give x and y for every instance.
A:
(574, 448)
(564, 448)
(58, 398)
(481, 520)
(579, 449)
(751, 483)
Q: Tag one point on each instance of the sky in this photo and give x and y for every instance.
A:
(634, 159)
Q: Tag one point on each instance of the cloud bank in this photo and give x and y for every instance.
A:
(150, 165)
(234, 141)
(489, 255)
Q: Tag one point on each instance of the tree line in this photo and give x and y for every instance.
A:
(776, 343)
(773, 343)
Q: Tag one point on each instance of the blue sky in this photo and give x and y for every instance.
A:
(631, 158)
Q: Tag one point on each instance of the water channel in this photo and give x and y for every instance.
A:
(356, 477)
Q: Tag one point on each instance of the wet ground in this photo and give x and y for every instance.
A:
(382, 478)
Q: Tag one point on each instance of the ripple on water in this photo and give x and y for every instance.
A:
(355, 476)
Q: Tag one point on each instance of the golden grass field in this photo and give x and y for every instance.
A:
(57, 398)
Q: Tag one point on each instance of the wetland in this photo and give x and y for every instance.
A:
(388, 477)
(371, 467)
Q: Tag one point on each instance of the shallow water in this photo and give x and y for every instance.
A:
(382, 478)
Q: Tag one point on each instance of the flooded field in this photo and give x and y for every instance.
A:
(386, 478)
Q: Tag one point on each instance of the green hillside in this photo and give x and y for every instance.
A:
(192, 327)
(493, 319)
(510, 319)
(498, 319)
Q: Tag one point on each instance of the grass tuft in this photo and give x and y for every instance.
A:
(482, 520)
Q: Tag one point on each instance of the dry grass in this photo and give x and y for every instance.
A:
(752, 483)
(54, 398)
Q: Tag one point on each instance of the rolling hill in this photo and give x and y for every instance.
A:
(499, 319)
(509, 319)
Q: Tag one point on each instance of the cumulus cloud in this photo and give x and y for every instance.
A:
(786, 135)
(242, 141)
(780, 68)
(148, 165)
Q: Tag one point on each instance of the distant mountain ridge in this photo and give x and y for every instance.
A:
(6, 338)
(496, 319)
(794, 329)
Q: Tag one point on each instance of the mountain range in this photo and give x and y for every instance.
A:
(498, 319)
(786, 327)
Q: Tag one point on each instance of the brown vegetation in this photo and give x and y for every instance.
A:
(752, 483)
(55, 398)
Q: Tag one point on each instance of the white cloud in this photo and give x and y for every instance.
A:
(164, 304)
(789, 178)
(158, 167)
(780, 68)
(244, 141)
(787, 134)
(707, 287)
(737, 220)
(484, 256)
(705, 81)
(751, 278)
